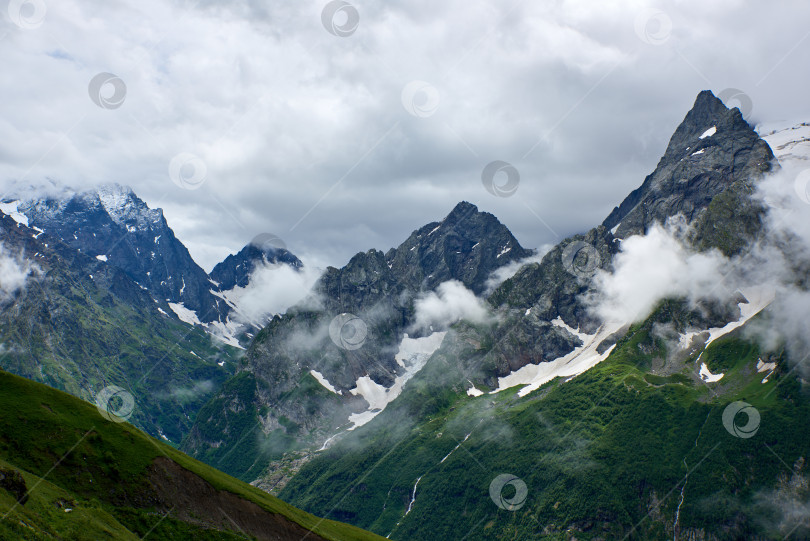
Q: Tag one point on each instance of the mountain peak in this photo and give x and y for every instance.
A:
(712, 148)
(460, 212)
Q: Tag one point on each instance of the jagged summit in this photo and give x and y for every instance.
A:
(712, 148)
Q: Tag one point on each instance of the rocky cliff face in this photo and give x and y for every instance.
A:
(336, 360)
(112, 224)
(712, 149)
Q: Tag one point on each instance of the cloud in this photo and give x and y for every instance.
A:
(14, 273)
(271, 290)
(186, 394)
(652, 267)
(451, 302)
(304, 133)
(661, 264)
(501, 274)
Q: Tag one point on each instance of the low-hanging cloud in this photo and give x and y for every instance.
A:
(272, 290)
(652, 267)
(449, 303)
(14, 273)
(501, 274)
(661, 264)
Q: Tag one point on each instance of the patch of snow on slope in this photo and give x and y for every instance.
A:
(533, 376)
(758, 299)
(787, 140)
(101, 257)
(558, 322)
(708, 133)
(185, 315)
(412, 355)
(11, 210)
(765, 367)
(225, 332)
(323, 381)
(707, 376)
(698, 152)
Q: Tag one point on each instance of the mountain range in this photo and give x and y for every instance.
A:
(461, 385)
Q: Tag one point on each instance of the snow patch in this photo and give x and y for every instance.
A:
(412, 355)
(698, 152)
(185, 315)
(504, 251)
(10, 209)
(225, 332)
(101, 257)
(323, 381)
(533, 376)
(708, 133)
(707, 376)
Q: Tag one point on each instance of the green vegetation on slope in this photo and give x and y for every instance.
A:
(605, 455)
(73, 458)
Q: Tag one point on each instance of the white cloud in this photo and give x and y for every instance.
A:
(451, 302)
(271, 290)
(280, 110)
(652, 267)
(14, 273)
(501, 274)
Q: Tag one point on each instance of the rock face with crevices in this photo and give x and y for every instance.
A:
(275, 404)
(713, 148)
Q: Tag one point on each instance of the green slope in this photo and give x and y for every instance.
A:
(86, 477)
(603, 456)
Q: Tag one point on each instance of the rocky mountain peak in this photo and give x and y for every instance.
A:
(711, 149)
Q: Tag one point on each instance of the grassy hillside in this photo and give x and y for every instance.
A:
(68, 472)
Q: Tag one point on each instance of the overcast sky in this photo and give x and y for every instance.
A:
(339, 136)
